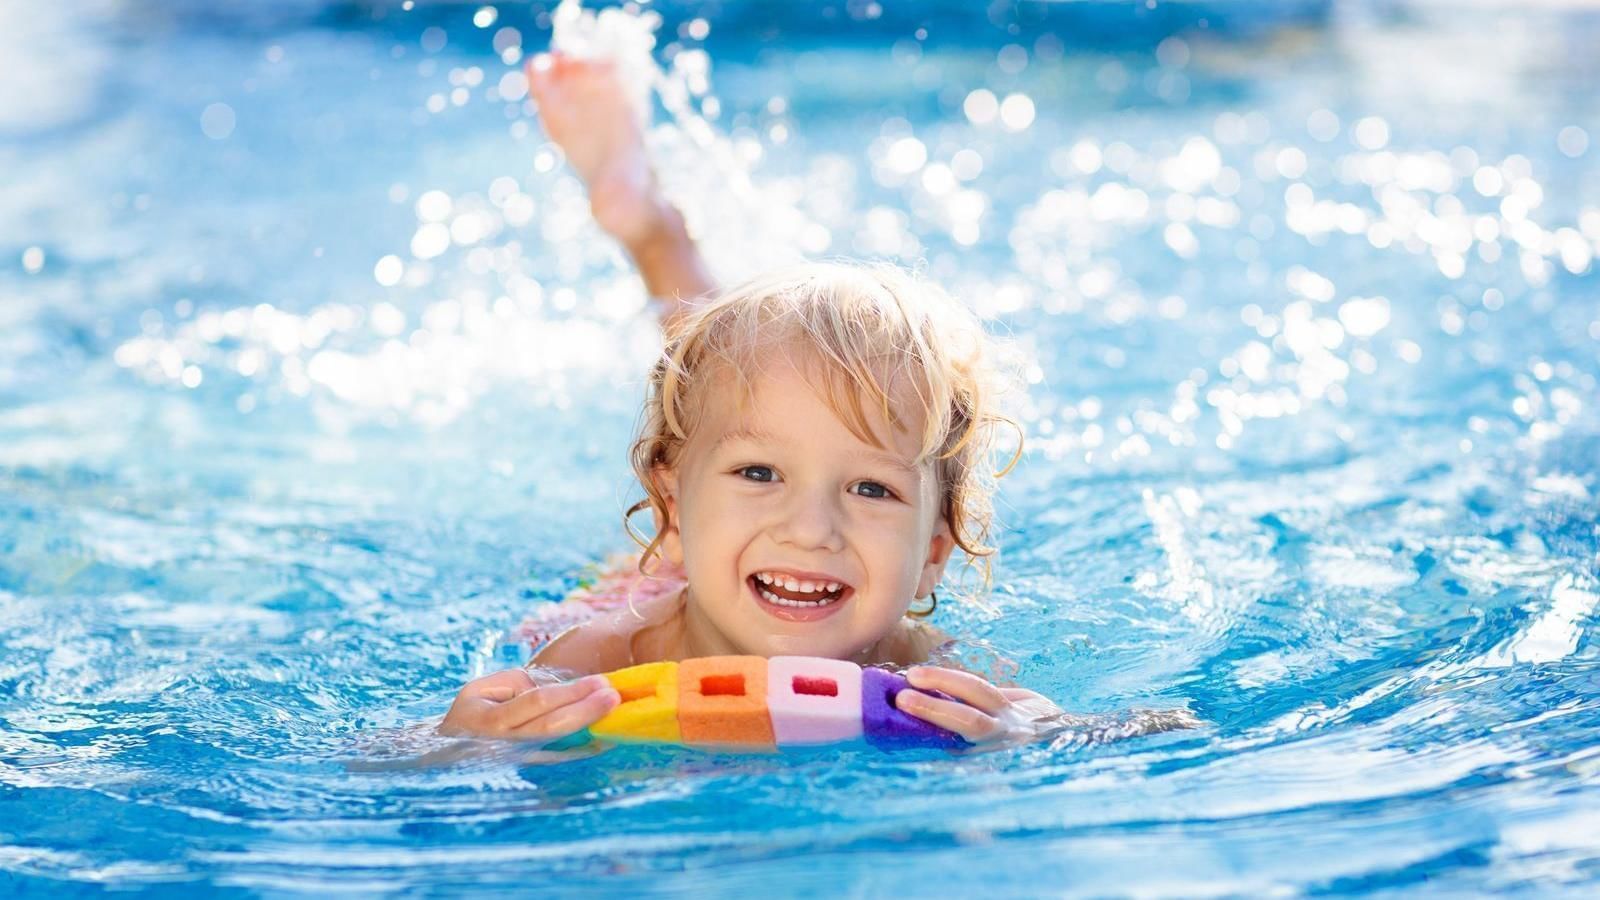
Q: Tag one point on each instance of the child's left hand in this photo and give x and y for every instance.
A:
(986, 714)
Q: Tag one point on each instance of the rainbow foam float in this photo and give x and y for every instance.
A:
(753, 703)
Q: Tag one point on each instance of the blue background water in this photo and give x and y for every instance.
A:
(1306, 299)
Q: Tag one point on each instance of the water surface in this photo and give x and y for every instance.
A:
(315, 378)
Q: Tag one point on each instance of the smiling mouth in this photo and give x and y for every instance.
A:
(819, 596)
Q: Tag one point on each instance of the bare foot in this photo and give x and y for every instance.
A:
(588, 113)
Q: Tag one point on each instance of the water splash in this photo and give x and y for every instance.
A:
(492, 312)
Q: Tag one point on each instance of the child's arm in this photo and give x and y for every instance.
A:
(991, 716)
(587, 112)
(672, 269)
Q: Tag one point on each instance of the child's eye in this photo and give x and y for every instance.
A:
(873, 490)
(757, 473)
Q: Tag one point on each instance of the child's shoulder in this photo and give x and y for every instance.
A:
(609, 640)
(587, 648)
(911, 644)
(592, 629)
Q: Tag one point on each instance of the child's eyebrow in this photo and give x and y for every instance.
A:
(753, 435)
(893, 462)
(758, 436)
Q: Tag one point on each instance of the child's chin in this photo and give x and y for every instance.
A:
(830, 646)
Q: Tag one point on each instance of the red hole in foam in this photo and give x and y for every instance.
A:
(722, 686)
(816, 687)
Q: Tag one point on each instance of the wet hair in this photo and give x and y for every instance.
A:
(871, 336)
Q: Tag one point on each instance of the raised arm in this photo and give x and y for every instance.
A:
(587, 112)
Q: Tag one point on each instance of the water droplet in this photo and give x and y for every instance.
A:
(389, 270)
(1572, 141)
(1372, 133)
(981, 106)
(1016, 112)
(217, 121)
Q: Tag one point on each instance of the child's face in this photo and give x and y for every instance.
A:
(781, 492)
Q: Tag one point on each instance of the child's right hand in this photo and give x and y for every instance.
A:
(511, 704)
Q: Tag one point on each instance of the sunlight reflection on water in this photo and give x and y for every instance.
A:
(315, 392)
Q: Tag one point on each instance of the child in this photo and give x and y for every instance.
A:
(815, 444)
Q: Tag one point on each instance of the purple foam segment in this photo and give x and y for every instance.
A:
(886, 727)
(813, 700)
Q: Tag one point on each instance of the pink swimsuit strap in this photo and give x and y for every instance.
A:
(609, 587)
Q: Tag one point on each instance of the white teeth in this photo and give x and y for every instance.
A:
(775, 600)
(793, 584)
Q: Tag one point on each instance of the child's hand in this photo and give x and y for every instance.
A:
(586, 110)
(510, 704)
(985, 715)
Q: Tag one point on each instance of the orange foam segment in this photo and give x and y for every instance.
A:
(722, 701)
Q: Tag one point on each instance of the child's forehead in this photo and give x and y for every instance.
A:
(777, 402)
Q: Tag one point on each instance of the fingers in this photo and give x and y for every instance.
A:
(973, 724)
(511, 704)
(540, 76)
(573, 717)
(502, 686)
(541, 72)
(530, 705)
(963, 686)
(472, 707)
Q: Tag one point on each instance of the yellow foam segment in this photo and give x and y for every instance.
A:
(649, 708)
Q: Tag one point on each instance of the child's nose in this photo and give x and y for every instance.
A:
(813, 521)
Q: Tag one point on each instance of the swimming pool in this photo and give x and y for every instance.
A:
(314, 379)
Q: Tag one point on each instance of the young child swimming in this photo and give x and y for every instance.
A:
(816, 444)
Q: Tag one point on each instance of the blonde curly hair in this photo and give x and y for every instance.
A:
(873, 332)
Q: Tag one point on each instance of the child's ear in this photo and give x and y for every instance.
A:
(940, 546)
(671, 547)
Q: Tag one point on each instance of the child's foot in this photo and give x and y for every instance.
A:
(587, 111)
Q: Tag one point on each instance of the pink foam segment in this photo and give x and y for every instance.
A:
(813, 700)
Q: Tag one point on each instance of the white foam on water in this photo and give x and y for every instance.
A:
(1553, 634)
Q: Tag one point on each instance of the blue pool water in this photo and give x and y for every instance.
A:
(315, 379)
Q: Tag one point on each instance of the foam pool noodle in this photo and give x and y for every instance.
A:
(649, 708)
(722, 702)
(886, 727)
(812, 700)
